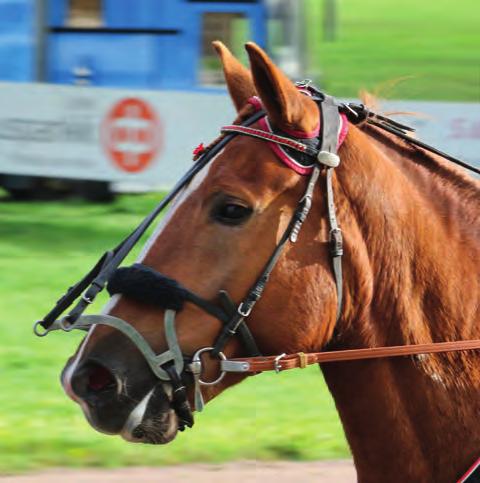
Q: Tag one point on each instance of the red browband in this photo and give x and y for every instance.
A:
(276, 141)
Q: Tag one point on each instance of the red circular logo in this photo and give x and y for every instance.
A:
(131, 134)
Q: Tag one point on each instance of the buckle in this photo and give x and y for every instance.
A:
(244, 312)
(276, 364)
(304, 85)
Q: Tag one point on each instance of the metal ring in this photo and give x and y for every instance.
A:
(196, 358)
(66, 328)
(37, 331)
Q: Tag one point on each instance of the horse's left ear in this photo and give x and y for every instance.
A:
(287, 108)
(238, 78)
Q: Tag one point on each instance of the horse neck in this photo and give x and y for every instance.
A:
(408, 261)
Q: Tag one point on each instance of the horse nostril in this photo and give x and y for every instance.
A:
(100, 378)
(92, 379)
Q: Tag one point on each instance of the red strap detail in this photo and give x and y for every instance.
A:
(266, 135)
(198, 150)
(256, 103)
(343, 130)
(275, 142)
(282, 154)
(469, 472)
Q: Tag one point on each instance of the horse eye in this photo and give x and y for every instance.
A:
(231, 213)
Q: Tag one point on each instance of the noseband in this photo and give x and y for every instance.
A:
(306, 156)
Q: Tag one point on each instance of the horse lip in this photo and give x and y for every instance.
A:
(149, 435)
(143, 426)
(145, 433)
(135, 418)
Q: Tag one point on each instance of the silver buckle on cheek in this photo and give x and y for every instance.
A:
(39, 330)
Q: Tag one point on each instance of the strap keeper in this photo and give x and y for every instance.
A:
(276, 364)
(326, 158)
(336, 242)
(302, 357)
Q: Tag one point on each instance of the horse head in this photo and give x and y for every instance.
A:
(219, 233)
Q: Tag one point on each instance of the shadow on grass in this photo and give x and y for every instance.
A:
(285, 452)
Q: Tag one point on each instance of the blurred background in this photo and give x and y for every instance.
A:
(101, 104)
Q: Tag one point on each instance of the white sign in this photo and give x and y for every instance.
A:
(452, 127)
(114, 135)
(147, 137)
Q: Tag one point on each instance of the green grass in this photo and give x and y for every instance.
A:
(432, 44)
(45, 246)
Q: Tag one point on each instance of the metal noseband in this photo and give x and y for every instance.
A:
(172, 355)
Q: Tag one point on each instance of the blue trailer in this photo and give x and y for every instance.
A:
(18, 40)
(141, 44)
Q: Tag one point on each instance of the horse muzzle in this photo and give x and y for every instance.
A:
(116, 403)
(153, 420)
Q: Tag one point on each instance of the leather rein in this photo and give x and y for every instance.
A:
(143, 283)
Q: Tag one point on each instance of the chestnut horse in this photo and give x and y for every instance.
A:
(411, 275)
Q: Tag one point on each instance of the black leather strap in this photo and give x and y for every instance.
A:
(358, 114)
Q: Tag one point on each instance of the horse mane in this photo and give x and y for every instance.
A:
(452, 182)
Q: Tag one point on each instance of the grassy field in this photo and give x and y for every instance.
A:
(46, 246)
(430, 46)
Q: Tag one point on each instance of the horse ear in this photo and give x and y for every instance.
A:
(287, 108)
(238, 78)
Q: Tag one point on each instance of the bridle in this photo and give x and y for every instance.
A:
(144, 284)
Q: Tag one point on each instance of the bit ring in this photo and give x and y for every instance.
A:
(196, 359)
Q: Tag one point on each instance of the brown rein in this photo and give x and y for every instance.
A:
(301, 360)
